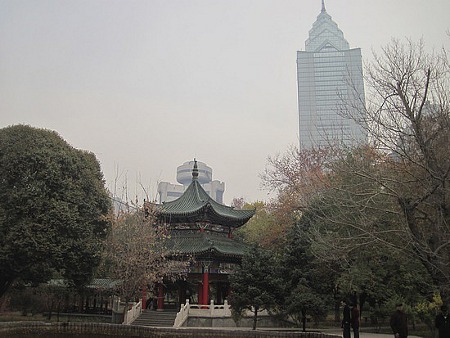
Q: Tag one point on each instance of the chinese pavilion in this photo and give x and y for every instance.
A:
(202, 229)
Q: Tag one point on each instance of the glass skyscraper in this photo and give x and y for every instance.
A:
(326, 73)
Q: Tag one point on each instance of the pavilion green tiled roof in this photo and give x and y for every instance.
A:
(206, 244)
(195, 205)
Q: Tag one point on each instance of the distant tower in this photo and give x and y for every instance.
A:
(169, 192)
(323, 71)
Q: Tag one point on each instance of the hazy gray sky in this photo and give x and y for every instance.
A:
(149, 84)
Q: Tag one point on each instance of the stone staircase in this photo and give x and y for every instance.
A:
(156, 318)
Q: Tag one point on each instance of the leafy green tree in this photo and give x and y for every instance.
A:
(309, 284)
(262, 227)
(303, 301)
(428, 310)
(359, 233)
(256, 285)
(53, 208)
(347, 225)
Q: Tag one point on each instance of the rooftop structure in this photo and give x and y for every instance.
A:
(214, 188)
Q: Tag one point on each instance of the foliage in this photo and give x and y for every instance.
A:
(53, 205)
(354, 213)
(427, 311)
(356, 232)
(299, 173)
(25, 299)
(256, 284)
(44, 298)
(297, 176)
(303, 301)
(262, 228)
(309, 283)
(136, 253)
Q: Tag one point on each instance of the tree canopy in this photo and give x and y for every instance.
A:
(53, 208)
(256, 285)
(309, 284)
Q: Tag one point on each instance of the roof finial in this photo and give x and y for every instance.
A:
(195, 170)
(323, 6)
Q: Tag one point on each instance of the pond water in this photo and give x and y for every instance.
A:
(56, 335)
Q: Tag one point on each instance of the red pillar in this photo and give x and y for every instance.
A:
(160, 297)
(144, 297)
(205, 297)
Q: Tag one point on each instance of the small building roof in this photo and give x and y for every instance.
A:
(195, 205)
(96, 283)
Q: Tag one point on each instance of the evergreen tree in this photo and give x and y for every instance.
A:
(53, 205)
(256, 285)
(308, 284)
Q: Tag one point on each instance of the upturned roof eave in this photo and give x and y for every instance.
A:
(195, 203)
(198, 217)
(213, 251)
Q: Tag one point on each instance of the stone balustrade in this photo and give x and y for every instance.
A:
(134, 311)
(118, 309)
(198, 310)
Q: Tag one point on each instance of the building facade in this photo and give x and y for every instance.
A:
(327, 72)
(169, 192)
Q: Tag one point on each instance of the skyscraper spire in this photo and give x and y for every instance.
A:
(323, 6)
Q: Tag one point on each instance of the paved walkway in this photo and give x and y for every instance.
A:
(335, 331)
(363, 334)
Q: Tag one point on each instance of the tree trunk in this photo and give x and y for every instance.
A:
(304, 320)
(255, 318)
(49, 317)
(337, 312)
(4, 286)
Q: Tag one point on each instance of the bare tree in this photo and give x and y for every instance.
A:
(137, 254)
(405, 174)
(298, 175)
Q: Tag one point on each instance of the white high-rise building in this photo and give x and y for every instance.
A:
(325, 71)
(169, 192)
